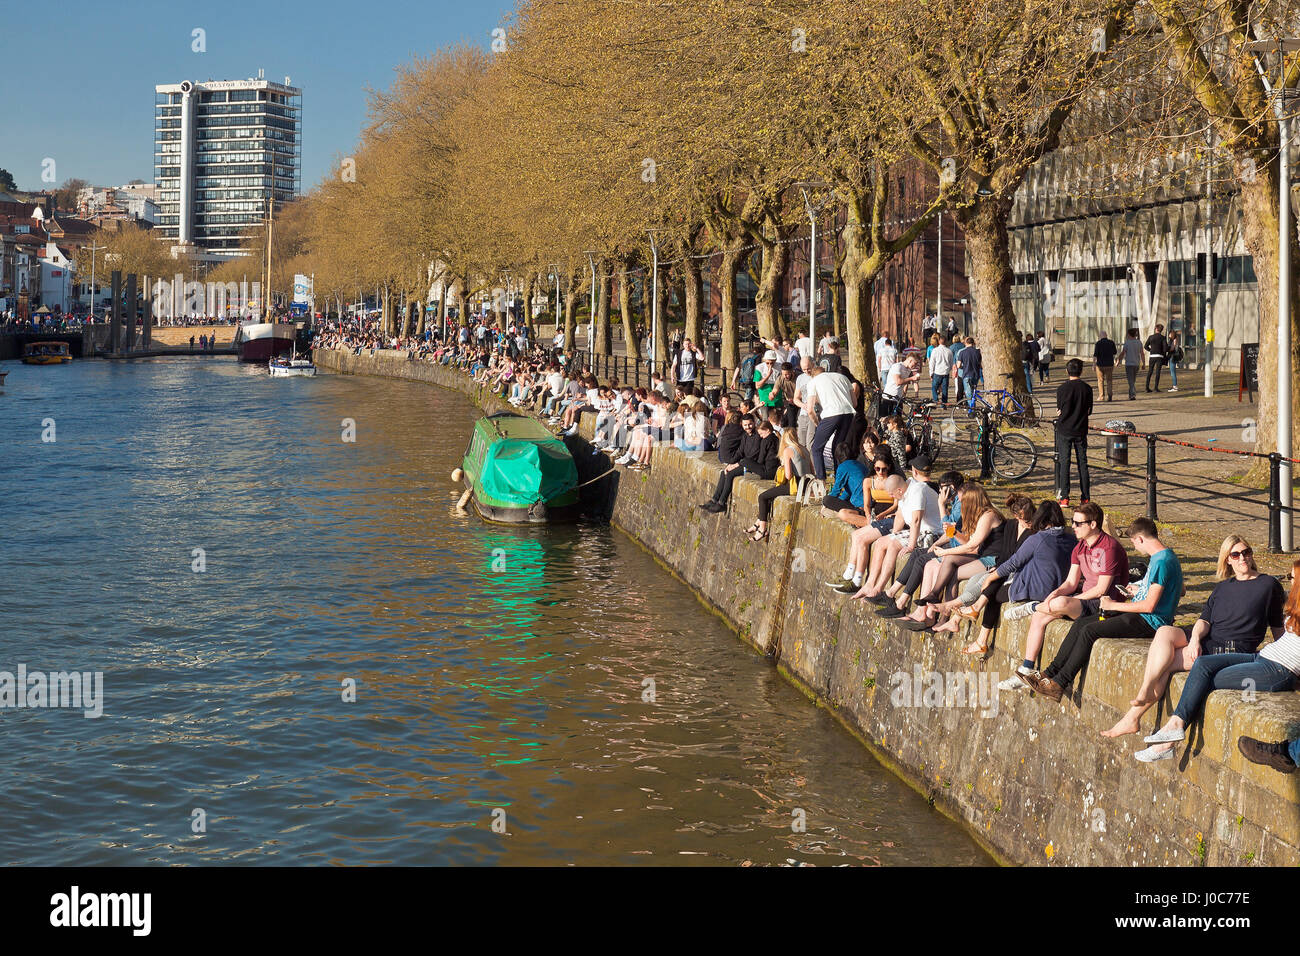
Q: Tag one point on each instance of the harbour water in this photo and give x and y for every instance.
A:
(308, 657)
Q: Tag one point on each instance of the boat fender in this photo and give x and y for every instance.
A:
(457, 475)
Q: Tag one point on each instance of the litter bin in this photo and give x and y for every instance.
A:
(715, 355)
(1117, 436)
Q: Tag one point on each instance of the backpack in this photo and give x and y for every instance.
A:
(1177, 354)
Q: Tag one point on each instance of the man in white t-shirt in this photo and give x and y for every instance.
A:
(831, 394)
(804, 346)
(886, 358)
(916, 526)
(900, 375)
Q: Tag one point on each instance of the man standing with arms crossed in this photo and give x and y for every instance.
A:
(1074, 405)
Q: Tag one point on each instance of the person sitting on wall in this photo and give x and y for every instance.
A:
(795, 463)
(1155, 599)
(748, 448)
(1273, 669)
(917, 524)
(1098, 568)
(1241, 609)
(1037, 568)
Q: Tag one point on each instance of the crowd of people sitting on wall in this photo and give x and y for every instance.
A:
(928, 554)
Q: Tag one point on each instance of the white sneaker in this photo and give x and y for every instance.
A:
(1174, 389)
(625, 460)
(1165, 737)
(1150, 755)
(1014, 682)
(1021, 610)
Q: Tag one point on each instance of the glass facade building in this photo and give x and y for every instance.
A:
(221, 148)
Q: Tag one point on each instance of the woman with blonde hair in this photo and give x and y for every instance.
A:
(1239, 613)
(974, 551)
(795, 463)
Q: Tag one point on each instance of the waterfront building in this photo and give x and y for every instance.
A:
(222, 148)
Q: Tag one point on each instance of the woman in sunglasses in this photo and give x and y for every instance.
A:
(1241, 609)
(1272, 670)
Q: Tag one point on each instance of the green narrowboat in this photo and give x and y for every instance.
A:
(518, 472)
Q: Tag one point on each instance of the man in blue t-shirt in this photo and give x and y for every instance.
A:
(1155, 599)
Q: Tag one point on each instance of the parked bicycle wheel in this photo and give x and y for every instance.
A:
(1014, 456)
(929, 439)
(1033, 410)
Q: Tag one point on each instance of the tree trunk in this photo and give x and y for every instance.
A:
(603, 332)
(776, 257)
(989, 248)
(1259, 230)
(730, 318)
(693, 298)
(631, 345)
(386, 317)
(406, 317)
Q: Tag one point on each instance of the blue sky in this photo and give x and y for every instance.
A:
(80, 90)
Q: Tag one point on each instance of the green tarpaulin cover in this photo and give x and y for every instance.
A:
(519, 473)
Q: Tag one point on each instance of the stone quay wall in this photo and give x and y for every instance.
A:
(1033, 780)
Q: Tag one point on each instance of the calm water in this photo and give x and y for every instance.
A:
(498, 673)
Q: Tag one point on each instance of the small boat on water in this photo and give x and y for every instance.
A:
(46, 353)
(290, 367)
(517, 472)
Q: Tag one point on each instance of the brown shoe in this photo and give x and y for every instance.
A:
(1031, 679)
(1271, 755)
(1049, 689)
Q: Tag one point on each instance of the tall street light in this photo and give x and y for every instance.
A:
(654, 305)
(591, 326)
(1282, 46)
(812, 260)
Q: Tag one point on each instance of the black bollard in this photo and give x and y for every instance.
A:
(985, 446)
(1151, 477)
(130, 312)
(1275, 503)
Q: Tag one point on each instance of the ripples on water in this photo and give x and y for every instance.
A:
(495, 668)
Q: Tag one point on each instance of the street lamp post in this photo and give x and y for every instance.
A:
(591, 325)
(812, 262)
(654, 305)
(1282, 45)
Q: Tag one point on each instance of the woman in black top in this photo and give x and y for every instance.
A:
(1243, 607)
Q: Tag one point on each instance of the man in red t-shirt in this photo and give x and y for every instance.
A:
(1098, 568)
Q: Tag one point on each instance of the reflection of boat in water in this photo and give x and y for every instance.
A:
(46, 353)
(517, 472)
(2, 379)
(291, 367)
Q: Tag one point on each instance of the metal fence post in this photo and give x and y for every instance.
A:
(1275, 503)
(1151, 477)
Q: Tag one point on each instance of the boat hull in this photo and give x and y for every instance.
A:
(265, 341)
(46, 359)
(539, 514)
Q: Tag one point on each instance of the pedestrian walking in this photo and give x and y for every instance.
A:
(1157, 347)
(940, 362)
(1044, 357)
(1103, 355)
(1132, 362)
(1073, 407)
(1174, 357)
(970, 364)
(1029, 358)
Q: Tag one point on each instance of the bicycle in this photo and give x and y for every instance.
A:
(1011, 455)
(1020, 409)
(920, 418)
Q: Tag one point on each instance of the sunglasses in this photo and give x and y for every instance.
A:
(1078, 523)
(1238, 555)
(882, 471)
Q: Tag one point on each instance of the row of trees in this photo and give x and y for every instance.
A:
(591, 126)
